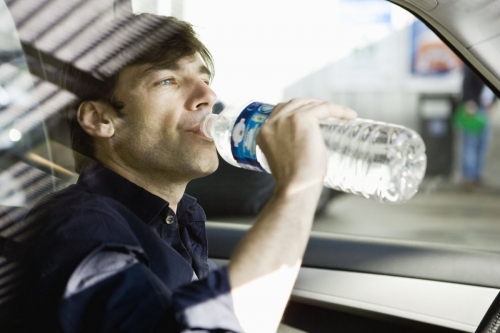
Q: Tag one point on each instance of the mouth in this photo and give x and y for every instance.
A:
(196, 130)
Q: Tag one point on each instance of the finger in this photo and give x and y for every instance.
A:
(319, 109)
(283, 109)
(325, 110)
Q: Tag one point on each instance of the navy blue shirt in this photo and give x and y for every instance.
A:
(111, 256)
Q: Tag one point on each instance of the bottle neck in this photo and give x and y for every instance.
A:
(207, 125)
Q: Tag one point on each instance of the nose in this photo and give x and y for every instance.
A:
(201, 97)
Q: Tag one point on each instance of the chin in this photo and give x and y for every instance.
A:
(204, 168)
(210, 169)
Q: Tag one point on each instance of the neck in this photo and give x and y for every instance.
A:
(160, 185)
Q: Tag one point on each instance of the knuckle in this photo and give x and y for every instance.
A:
(296, 118)
(326, 104)
(265, 130)
(298, 121)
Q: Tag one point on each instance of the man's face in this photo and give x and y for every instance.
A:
(164, 105)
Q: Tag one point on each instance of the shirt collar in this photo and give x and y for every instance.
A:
(98, 179)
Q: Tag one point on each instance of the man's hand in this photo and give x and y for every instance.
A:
(265, 265)
(293, 144)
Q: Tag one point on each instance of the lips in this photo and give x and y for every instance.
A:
(197, 131)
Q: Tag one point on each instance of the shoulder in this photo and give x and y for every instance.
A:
(73, 223)
(75, 202)
(75, 198)
(76, 215)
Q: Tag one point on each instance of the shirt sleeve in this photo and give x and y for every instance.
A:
(113, 290)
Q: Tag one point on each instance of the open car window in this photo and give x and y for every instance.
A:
(384, 63)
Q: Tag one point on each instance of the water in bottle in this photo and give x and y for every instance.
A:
(380, 161)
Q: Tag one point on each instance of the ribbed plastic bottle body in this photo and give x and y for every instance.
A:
(379, 161)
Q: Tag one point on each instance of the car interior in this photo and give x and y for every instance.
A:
(350, 281)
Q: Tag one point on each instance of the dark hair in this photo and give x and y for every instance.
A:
(158, 39)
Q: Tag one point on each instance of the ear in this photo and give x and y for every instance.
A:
(96, 119)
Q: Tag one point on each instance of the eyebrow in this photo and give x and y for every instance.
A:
(172, 67)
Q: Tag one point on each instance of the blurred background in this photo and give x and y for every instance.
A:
(367, 54)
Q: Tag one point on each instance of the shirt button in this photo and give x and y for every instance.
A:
(169, 219)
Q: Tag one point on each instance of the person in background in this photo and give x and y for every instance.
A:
(472, 119)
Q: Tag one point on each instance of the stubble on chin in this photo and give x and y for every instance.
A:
(178, 164)
(200, 164)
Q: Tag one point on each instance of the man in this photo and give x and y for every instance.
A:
(124, 249)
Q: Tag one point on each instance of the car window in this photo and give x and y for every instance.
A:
(367, 54)
(28, 158)
(387, 65)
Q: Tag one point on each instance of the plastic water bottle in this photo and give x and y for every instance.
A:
(380, 161)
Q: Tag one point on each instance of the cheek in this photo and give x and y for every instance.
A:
(153, 114)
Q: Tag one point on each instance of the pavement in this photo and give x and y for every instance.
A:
(440, 213)
(443, 216)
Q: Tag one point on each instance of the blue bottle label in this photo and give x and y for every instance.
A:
(245, 130)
